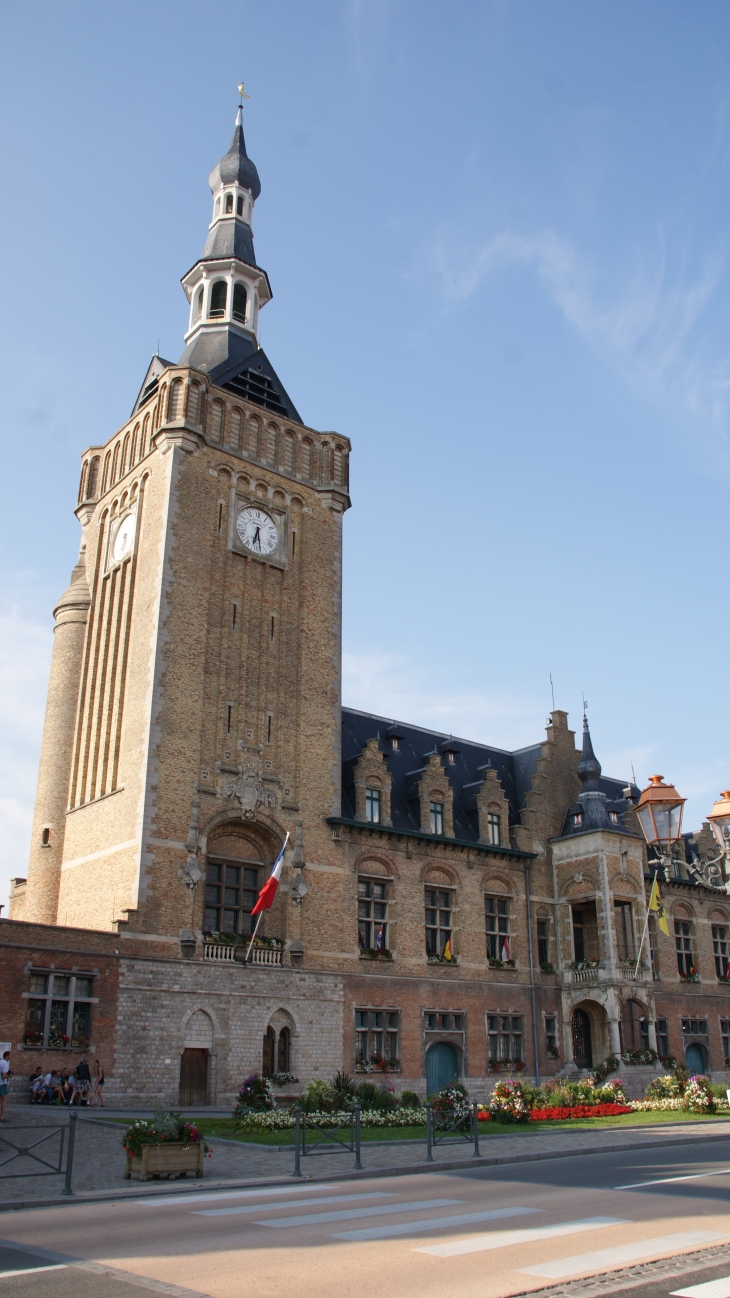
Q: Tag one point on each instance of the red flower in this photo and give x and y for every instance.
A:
(578, 1111)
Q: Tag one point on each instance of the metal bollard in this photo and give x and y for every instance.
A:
(476, 1130)
(429, 1155)
(358, 1164)
(72, 1120)
(297, 1122)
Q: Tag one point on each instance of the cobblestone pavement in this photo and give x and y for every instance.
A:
(99, 1160)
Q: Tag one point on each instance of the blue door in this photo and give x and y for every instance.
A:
(442, 1066)
(694, 1057)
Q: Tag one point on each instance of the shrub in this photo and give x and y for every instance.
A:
(370, 1096)
(317, 1097)
(609, 1065)
(344, 1089)
(508, 1103)
(698, 1096)
(408, 1100)
(254, 1096)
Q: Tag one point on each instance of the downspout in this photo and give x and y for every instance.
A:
(532, 974)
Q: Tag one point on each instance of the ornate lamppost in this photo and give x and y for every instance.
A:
(659, 810)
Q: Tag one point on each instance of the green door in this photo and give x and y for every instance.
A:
(442, 1066)
(694, 1058)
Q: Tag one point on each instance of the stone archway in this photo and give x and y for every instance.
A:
(589, 1033)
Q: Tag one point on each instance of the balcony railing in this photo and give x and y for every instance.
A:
(591, 975)
(224, 952)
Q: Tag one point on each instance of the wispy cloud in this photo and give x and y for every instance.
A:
(25, 652)
(644, 326)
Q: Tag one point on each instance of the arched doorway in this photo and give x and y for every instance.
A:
(582, 1047)
(695, 1057)
(442, 1066)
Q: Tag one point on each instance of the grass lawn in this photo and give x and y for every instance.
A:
(225, 1128)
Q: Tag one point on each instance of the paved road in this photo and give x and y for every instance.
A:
(491, 1232)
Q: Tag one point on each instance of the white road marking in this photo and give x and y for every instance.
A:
(436, 1223)
(312, 1219)
(667, 1180)
(261, 1207)
(604, 1258)
(33, 1270)
(284, 1191)
(710, 1289)
(505, 1238)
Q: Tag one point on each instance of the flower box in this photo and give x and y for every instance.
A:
(168, 1159)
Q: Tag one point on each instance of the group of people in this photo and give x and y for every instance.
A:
(62, 1087)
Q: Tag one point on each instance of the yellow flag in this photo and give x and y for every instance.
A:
(447, 950)
(657, 905)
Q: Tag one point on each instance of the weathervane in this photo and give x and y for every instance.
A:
(242, 92)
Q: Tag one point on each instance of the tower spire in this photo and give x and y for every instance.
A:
(225, 287)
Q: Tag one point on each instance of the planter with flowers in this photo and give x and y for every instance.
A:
(166, 1145)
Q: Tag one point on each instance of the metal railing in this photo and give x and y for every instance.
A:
(452, 1130)
(328, 1136)
(10, 1150)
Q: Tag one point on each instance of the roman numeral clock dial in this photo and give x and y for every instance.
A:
(257, 530)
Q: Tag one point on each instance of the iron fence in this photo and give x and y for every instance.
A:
(328, 1137)
(12, 1148)
(450, 1129)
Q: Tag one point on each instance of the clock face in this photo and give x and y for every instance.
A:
(124, 538)
(257, 530)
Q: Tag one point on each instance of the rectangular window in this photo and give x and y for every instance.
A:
(438, 920)
(372, 806)
(683, 943)
(231, 892)
(694, 1027)
(719, 947)
(58, 1013)
(543, 943)
(376, 1037)
(496, 910)
(35, 1023)
(493, 829)
(585, 931)
(435, 1020)
(80, 1026)
(504, 1035)
(725, 1031)
(551, 1032)
(372, 915)
(437, 817)
(430, 1020)
(662, 1038)
(624, 930)
(653, 951)
(39, 984)
(57, 1024)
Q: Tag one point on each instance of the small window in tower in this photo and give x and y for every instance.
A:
(239, 205)
(233, 620)
(268, 733)
(199, 304)
(230, 713)
(46, 837)
(271, 633)
(239, 303)
(229, 204)
(217, 206)
(218, 297)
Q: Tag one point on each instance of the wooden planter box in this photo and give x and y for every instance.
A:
(166, 1160)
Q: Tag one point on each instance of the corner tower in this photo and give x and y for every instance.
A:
(200, 704)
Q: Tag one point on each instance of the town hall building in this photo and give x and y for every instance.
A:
(447, 909)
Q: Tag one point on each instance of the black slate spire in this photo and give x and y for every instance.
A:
(235, 167)
(589, 767)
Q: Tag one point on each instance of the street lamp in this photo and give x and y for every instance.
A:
(660, 815)
(719, 819)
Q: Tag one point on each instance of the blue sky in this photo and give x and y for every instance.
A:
(497, 235)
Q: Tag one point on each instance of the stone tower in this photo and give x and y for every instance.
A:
(194, 703)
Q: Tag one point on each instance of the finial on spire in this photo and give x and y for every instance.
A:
(242, 92)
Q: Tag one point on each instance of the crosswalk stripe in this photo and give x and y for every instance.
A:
(34, 1270)
(608, 1257)
(436, 1223)
(164, 1201)
(314, 1218)
(667, 1180)
(261, 1207)
(504, 1238)
(710, 1289)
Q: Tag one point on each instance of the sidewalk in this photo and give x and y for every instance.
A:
(99, 1159)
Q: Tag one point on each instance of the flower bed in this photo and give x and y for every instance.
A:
(558, 1112)
(278, 1120)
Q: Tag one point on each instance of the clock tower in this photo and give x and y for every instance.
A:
(194, 707)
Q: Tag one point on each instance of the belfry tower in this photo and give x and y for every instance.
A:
(194, 703)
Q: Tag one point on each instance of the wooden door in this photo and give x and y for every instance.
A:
(442, 1066)
(194, 1077)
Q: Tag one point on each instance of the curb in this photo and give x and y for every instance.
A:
(215, 1187)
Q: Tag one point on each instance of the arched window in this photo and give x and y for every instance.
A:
(125, 457)
(215, 431)
(271, 433)
(239, 303)
(337, 471)
(217, 206)
(199, 304)
(229, 204)
(82, 484)
(105, 479)
(253, 437)
(218, 299)
(145, 434)
(194, 403)
(239, 205)
(283, 1054)
(269, 1052)
(306, 458)
(93, 483)
(133, 455)
(289, 452)
(115, 464)
(234, 430)
(174, 409)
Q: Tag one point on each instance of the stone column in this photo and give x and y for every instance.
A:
(615, 1037)
(52, 792)
(651, 1025)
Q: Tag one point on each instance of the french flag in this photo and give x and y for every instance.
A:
(505, 949)
(268, 892)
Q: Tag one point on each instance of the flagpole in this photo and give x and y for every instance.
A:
(259, 917)
(646, 925)
(278, 862)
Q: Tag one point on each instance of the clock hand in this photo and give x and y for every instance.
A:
(257, 538)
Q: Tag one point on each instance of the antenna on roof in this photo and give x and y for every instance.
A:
(552, 690)
(633, 777)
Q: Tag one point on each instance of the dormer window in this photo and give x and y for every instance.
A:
(450, 756)
(372, 806)
(614, 817)
(395, 743)
(239, 205)
(577, 819)
(218, 297)
(493, 829)
(239, 303)
(437, 817)
(229, 204)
